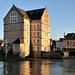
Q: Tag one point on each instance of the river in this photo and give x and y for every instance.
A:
(39, 67)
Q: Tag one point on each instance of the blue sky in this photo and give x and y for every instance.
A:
(61, 13)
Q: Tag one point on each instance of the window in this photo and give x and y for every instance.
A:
(37, 48)
(27, 41)
(33, 48)
(67, 42)
(27, 33)
(47, 27)
(47, 49)
(33, 41)
(44, 27)
(27, 26)
(46, 20)
(38, 27)
(47, 34)
(37, 33)
(70, 42)
(45, 41)
(38, 41)
(73, 43)
(46, 16)
(33, 26)
(44, 48)
(33, 33)
(13, 17)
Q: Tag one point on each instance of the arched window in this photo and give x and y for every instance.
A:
(13, 17)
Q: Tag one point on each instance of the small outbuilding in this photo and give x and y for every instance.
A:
(18, 47)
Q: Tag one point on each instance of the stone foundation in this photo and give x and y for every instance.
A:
(37, 54)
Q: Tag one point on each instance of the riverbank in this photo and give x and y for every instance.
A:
(11, 57)
(16, 59)
(55, 54)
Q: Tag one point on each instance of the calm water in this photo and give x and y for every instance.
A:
(39, 67)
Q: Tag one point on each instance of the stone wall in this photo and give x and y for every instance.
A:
(55, 55)
(37, 54)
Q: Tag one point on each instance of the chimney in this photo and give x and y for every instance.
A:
(45, 6)
(64, 34)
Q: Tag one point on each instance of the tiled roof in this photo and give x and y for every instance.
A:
(18, 41)
(32, 14)
(70, 36)
(35, 14)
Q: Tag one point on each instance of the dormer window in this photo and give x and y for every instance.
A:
(13, 17)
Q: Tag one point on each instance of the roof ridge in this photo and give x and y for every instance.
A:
(29, 10)
(18, 41)
(23, 12)
(35, 9)
(20, 9)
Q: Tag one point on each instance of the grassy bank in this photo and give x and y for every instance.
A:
(11, 57)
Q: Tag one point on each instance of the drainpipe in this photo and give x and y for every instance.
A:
(6, 47)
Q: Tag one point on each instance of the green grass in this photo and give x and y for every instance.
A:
(11, 57)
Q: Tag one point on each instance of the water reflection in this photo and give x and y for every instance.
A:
(1, 68)
(25, 68)
(38, 67)
(45, 67)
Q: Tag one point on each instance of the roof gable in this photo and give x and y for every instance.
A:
(22, 12)
(19, 10)
(31, 14)
(18, 41)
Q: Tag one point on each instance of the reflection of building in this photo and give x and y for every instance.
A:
(17, 68)
(36, 67)
(40, 67)
(45, 67)
(11, 68)
(19, 24)
(25, 68)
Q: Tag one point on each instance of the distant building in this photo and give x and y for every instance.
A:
(69, 41)
(56, 44)
(52, 44)
(21, 27)
(1, 44)
(59, 45)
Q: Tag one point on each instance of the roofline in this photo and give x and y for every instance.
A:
(16, 9)
(69, 39)
(34, 9)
